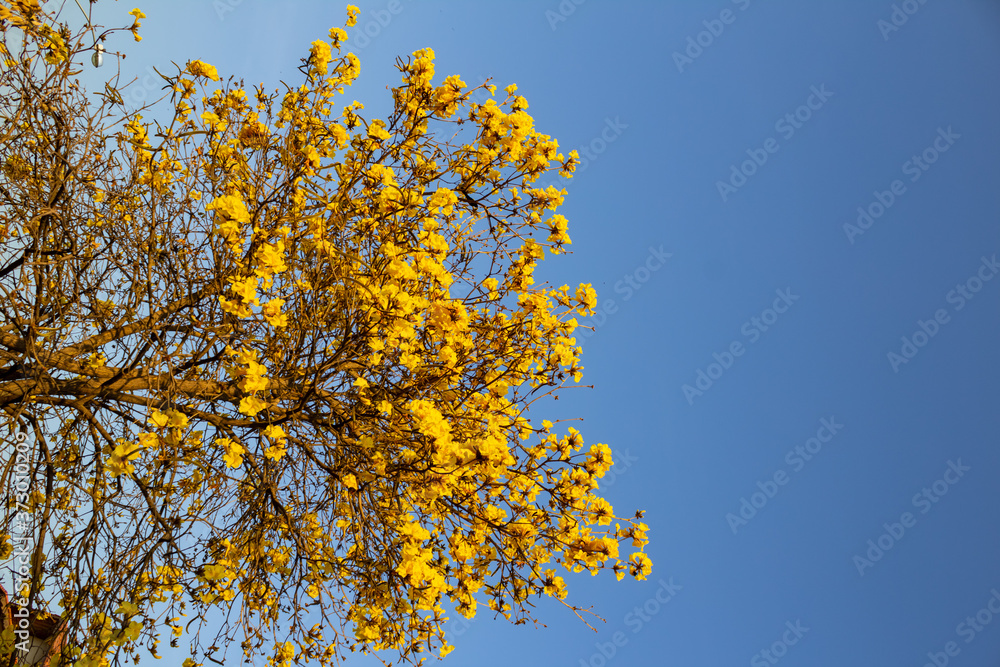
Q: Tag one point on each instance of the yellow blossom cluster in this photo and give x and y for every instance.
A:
(309, 372)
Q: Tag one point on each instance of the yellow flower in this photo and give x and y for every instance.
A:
(272, 258)
(96, 360)
(377, 131)
(132, 631)
(554, 585)
(177, 419)
(254, 135)
(492, 284)
(213, 122)
(243, 355)
(246, 289)
(127, 608)
(321, 56)
(352, 15)
(159, 419)
(57, 48)
(442, 198)
(557, 226)
(276, 433)
(251, 405)
(641, 565)
(199, 68)
(136, 25)
(233, 452)
(338, 35)
(587, 298)
(120, 462)
(447, 356)
(235, 307)
(272, 312)
(253, 383)
(231, 214)
(275, 452)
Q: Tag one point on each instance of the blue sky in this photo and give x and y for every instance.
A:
(806, 111)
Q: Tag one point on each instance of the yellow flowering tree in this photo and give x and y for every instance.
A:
(275, 359)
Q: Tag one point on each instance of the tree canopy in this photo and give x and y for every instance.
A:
(274, 360)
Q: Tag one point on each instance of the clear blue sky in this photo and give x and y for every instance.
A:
(865, 100)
